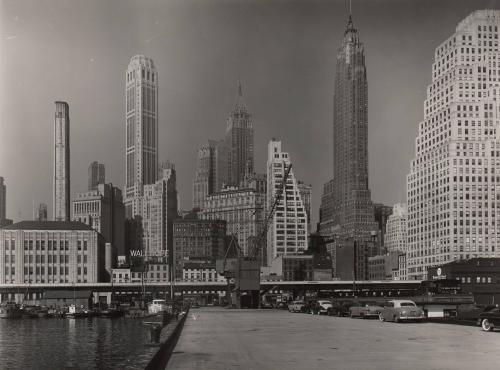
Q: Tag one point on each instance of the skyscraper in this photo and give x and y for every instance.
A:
(352, 214)
(395, 237)
(454, 182)
(211, 171)
(42, 212)
(3, 200)
(61, 163)
(96, 175)
(142, 130)
(239, 141)
(287, 233)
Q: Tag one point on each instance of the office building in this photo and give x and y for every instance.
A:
(51, 252)
(326, 224)
(243, 210)
(211, 171)
(454, 178)
(96, 175)
(159, 210)
(239, 141)
(383, 267)
(381, 215)
(42, 212)
(4, 221)
(142, 130)
(287, 233)
(200, 272)
(305, 194)
(395, 237)
(103, 210)
(61, 163)
(198, 240)
(353, 214)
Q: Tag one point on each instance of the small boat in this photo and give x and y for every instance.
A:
(113, 310)
(76, 312)
(10, 310)
(157, 306)
(29, 312)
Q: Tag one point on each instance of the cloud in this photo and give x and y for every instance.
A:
(11, 37)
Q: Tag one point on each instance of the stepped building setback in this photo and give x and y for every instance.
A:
(454, 181)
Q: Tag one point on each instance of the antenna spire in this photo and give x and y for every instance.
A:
(350, 7)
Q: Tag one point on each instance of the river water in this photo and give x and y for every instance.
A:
(58, 343)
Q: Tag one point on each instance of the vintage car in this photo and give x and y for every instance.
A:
(365, 310)
(401, 310)
(339, 308)
(296, 306)
(489, 319)
(324, 305)
(317, 307)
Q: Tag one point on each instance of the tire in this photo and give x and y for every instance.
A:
(381, 317)
(485, 324)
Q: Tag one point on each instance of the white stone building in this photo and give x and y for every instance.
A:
(452, 187)
(395, 235)
(141, 113)
(287, 234)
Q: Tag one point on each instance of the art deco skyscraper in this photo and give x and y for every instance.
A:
(3, 200)
(61, 163)
(97, 175)
(239, 141)
(352, 214)
(142, 130)
(454, 180)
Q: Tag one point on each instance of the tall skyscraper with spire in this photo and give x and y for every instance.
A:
(239, 141)
(352, 214)
(142, 130)
(453, 185)
(61, 163)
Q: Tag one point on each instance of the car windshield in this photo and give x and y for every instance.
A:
(407, 304)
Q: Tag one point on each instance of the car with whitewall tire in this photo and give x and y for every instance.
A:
(399, 310)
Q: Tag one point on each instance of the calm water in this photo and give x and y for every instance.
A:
(74, 344)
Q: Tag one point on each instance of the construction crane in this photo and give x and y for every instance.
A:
(253, 254)
(259, 242)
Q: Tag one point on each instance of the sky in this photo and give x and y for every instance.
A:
(284, 52)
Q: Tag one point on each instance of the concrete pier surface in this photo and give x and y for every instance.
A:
(219, 339)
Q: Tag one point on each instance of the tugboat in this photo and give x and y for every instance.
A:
(10, 310)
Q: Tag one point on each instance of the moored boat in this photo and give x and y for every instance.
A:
(112, 311)
(10, 310)
(158, 306)
(76, 312)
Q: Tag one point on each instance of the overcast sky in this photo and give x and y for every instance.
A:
(283, 51)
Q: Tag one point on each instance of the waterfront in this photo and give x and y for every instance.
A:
(75, 344)
(217, 338)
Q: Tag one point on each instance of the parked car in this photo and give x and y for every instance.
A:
(365, 310)
(318, 307)
(324, 305)
(296, 306)
(282, 305)
(401, 310)
(339, 309)
(489, 319)
(266, 305)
